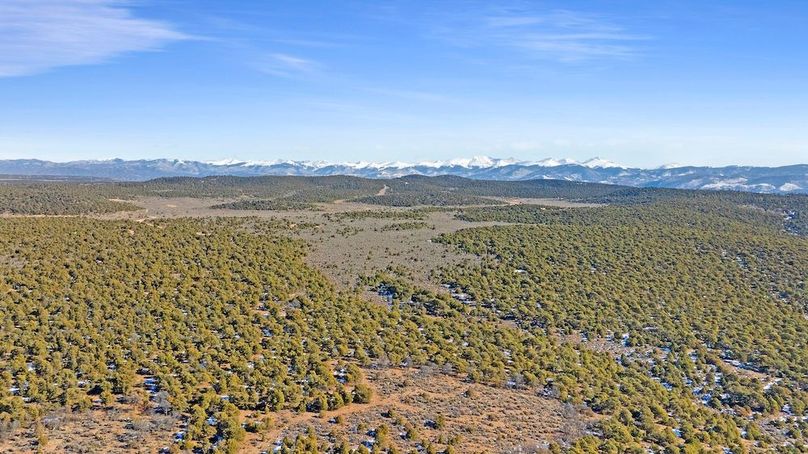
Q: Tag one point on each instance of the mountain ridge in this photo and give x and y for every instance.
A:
(779, 180)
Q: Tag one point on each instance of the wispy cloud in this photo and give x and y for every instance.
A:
(410, 95)
(315, 43)
(38, 35)
(286, 65)
(560, 35)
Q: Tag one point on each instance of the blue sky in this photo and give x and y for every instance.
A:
(638, 82)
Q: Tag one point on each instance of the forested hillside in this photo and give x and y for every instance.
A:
(27, 198)
(670, 321)
(223, 315)
(713, 294)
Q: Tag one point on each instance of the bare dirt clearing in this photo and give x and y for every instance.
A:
(481, 418)
(119, 428)
(557, 203)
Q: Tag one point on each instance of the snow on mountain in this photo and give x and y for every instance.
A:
(225, 162)
(552, 162)
(597, 163)
(789, 187)
(475, 162)
(784, 180)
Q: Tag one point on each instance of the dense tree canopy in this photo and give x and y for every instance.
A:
(678, 318)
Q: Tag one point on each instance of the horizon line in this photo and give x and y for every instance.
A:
(477, 161)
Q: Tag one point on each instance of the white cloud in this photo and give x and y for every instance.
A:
(552, 34)
(512, 21)
(564, 35)
(38, 35)
(285, 65)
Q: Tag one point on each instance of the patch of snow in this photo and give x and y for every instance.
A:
(789, 187)
(598, 163)
(225, 162)
(475, 162)
(552, 162)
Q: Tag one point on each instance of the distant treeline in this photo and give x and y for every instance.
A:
(32, 198)
(293, 192)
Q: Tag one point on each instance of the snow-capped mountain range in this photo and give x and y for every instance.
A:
(783, 180)
(475, 162)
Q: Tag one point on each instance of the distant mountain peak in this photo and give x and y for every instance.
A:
(474, 162)
(596, 163)
(783, 180)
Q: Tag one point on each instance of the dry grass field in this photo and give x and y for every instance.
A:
(342, 247)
